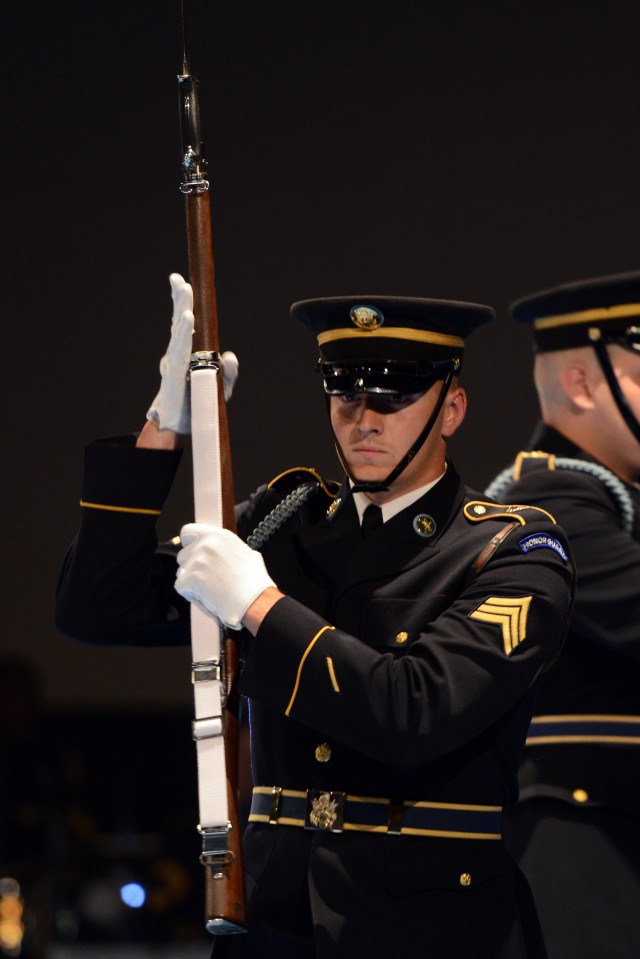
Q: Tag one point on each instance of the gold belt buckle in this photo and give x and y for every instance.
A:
(325, 810)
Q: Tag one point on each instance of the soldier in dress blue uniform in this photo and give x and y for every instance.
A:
(576, 831)
(391, 661)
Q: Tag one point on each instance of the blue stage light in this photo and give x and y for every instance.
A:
(133, 895)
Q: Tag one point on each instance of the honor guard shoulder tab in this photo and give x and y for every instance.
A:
(478, 510)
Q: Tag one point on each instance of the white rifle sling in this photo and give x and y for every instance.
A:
(206, 635)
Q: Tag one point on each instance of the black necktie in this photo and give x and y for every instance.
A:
(371, 519)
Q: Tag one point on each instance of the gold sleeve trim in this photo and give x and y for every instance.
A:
(120, 509)
(301, 664)
(568, 719)
(332, 675)
(391, 333)
(588, 316)
(585, 717)
(570, 738)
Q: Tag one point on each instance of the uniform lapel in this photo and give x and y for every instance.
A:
(410, 538)
(335, 545)
(329, 543)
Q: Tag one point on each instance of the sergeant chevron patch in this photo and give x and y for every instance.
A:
(510, 614)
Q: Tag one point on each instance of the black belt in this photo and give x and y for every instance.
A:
(549, 730)
(319, 809)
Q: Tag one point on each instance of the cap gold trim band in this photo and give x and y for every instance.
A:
(399, 333)
(588, 316)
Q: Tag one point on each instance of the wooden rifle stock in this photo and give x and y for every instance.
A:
(224, 877)
(224, 887)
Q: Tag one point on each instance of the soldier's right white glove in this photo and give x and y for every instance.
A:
(171, 406)
(219, 572)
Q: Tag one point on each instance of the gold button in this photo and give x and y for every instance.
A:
(402, 637)
(465, 879)
(323, 753)
(580, 795)
(479, 510)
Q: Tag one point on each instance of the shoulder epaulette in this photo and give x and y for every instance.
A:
(478, 510)
(525, 460)
(292, 478)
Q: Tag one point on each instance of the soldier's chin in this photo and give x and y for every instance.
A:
(368, 474)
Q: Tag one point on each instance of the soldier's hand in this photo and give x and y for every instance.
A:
(171, 406)
(218, 571)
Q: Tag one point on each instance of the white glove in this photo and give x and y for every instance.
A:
(229, 363)
(220, 572)
(171, 406)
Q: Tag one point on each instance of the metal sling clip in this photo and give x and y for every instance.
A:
(215, 848)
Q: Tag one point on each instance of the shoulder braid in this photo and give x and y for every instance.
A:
(613, 484)
(291, 502)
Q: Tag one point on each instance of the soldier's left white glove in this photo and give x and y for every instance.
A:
(220, 572)
(171, 406)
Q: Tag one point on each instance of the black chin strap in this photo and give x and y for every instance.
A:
(620, 399)
(383, 485)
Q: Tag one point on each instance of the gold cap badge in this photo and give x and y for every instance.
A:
(366, 317)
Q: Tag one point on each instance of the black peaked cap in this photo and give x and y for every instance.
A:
(575, 314)
(389, 327)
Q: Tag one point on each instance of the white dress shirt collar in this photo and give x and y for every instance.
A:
(395, 505)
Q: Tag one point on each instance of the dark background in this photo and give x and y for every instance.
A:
(459, 149)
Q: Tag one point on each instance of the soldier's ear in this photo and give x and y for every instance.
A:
(455, 408)
(577, 383)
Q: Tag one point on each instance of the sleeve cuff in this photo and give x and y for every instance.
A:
(121, 477)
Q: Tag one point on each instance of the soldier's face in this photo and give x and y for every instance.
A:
(375, 432)
(622, 449)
